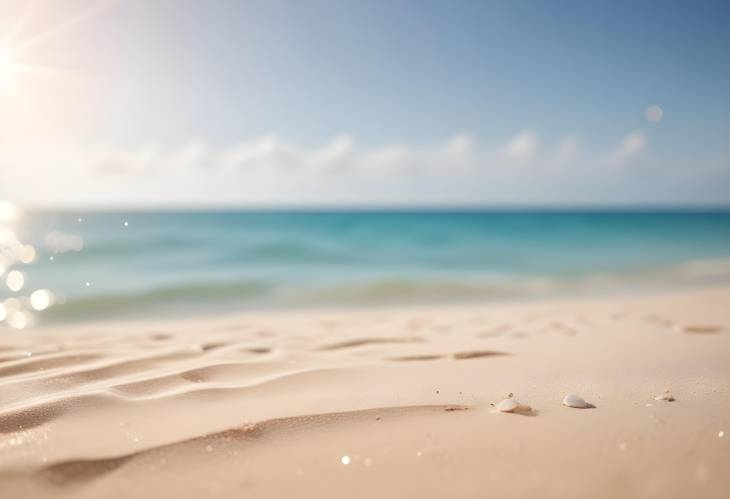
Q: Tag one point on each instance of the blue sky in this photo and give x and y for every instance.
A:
(246, 102)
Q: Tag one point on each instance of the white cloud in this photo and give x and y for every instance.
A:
(270, 153)
(521, 148)
(123, 163)
(460, 145)
(395, 157)
(566, 150)
(265, 151)
(338, 151)
(630, 147)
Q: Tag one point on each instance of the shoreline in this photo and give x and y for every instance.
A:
(204, 317)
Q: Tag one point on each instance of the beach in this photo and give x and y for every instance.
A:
(376, 402)
(413, 250)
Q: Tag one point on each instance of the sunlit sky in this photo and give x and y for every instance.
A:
(141, 103)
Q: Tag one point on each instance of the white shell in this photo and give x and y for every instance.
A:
(573, 400)
(511, 405)
(507, 405)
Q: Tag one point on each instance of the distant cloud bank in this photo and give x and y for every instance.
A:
(343, 154)
(269, 170)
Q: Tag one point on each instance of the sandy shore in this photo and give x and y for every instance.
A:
(385, 403)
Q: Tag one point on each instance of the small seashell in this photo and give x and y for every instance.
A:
(665, 396)
(511, 405)
(572, 400)
(507, 405)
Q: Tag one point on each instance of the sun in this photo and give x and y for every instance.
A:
(8, 69)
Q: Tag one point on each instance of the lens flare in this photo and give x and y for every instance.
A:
(15, 280)
(18, 320)
(41, 299)
(26, 253)
(654, 114)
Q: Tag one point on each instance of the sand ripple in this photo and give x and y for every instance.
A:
(50, 381)
(77, 405)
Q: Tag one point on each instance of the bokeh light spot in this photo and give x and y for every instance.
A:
(41, 299)
(15, 280)
(654, 114)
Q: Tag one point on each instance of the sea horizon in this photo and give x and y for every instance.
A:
(378, 208)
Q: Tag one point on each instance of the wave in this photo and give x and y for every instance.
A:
(200, 293)
(291, 252)
(386, 289)
(712, 268)
(278, 252)
(114, 248)
(251, 293)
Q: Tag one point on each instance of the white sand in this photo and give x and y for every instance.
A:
(384, 403)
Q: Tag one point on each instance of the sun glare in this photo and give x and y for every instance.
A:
(8, 69)
(8, 211)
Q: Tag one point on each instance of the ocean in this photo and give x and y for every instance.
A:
(93, 265)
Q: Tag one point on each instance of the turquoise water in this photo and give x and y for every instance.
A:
(183, 263)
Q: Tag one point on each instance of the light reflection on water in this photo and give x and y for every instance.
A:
(18, 311)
